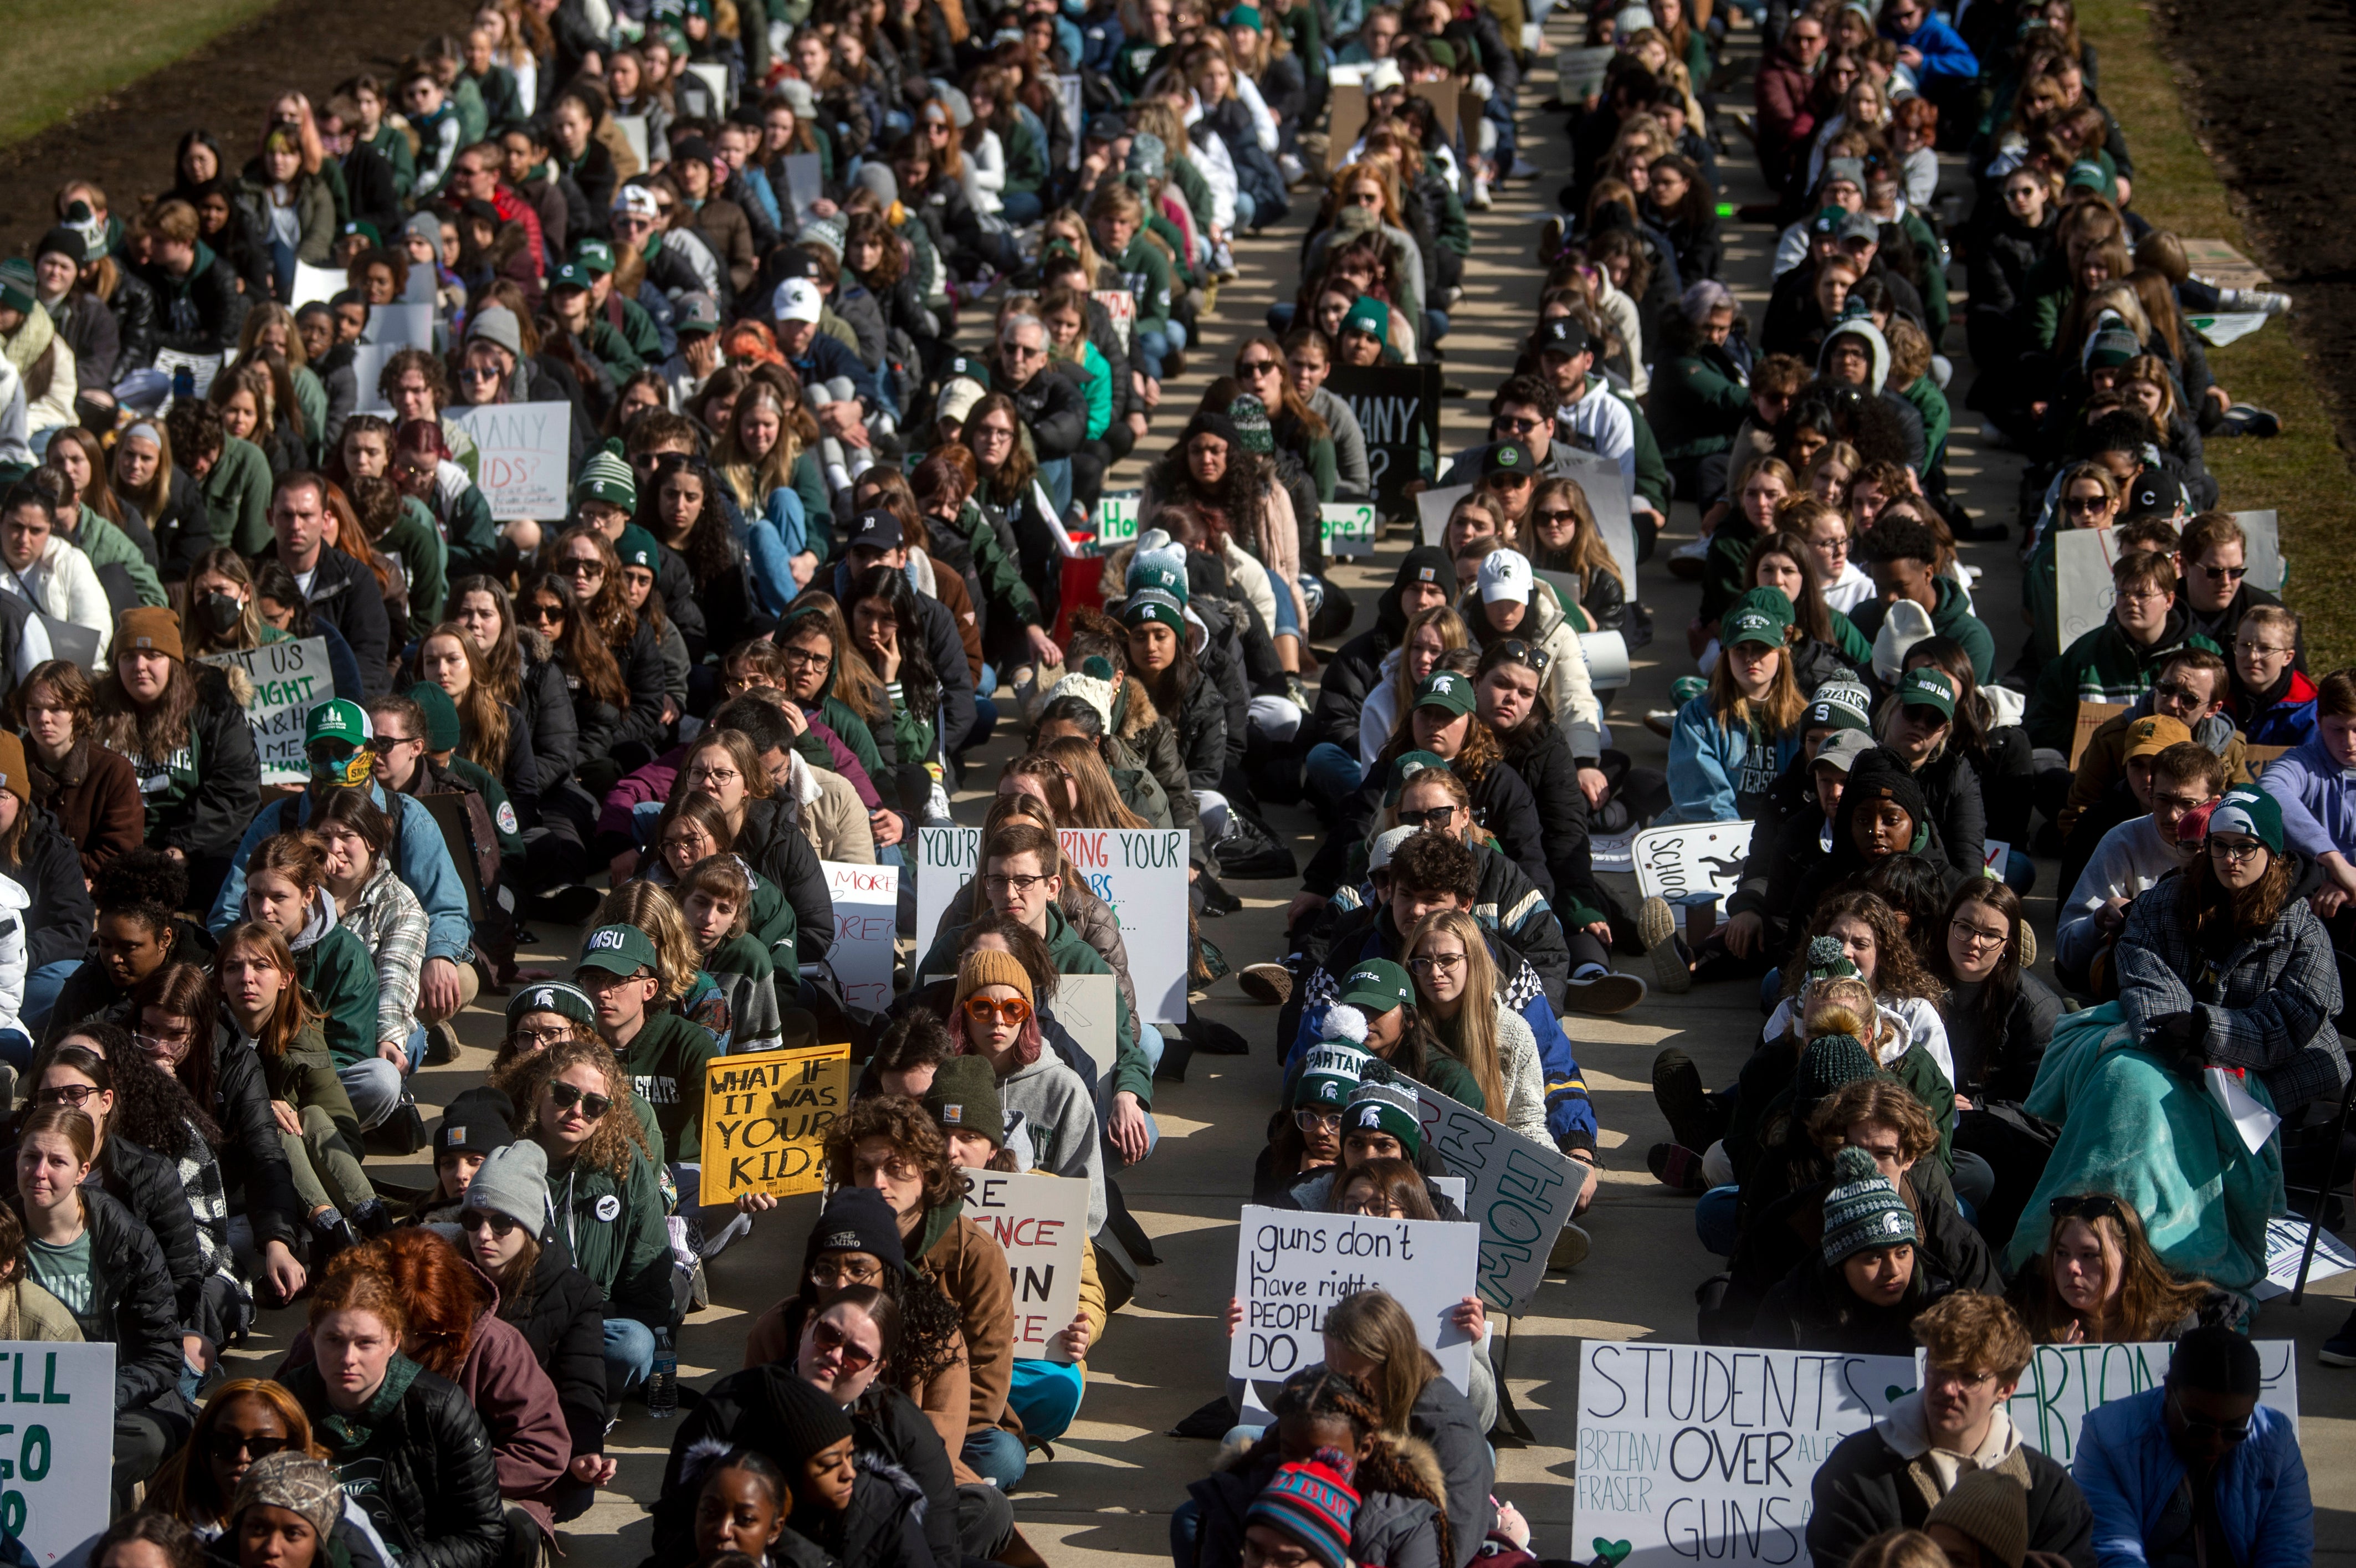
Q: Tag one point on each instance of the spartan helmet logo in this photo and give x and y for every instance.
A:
(1443, 683)
(545, 999)
(1369, 1117)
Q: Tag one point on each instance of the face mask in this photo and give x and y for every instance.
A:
(350, 774)
(221, 612)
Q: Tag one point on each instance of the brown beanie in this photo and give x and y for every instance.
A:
(1993, 1511)
(13, 776)
(150, 627)
(989, 966)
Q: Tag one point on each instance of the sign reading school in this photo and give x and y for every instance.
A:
(1291, 1269)
(765, 1120)
(57, 1444)
(289, 681)
(1042, 1221)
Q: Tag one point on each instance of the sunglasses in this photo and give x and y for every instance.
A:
(233, 1445)
(1431, 816)
(2229, 1433)
(475, 1221)
(1552, 519)
(383, 745)
(1518, 652)
(1013, 1012)
(566, 1096)
(826, 1338)
(543, 613)
(65, 1094)
(2084, 1206)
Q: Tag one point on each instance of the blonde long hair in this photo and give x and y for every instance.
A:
(653, 910)
(1471, 1035)
(1786, 701)
(1452, 637)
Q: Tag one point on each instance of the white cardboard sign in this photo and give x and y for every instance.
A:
(2263, 556)
(524, 452)
(2064, 1382)
(866, 915)
(316, 285)
(1292, 1268)
(1606, 491)
(1139, 871)
(289, 681)
(201, 368)
(1350, 527)
(56, 1447)
(2082, 582)
(1087, 1006)
(2286, 1244)
(1116, 519)
(1432, 507)
(1695, 1452)
(1042, 1221)
(1519, 1192)
(1691, 858)
(397, 326)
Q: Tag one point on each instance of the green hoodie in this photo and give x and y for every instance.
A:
(337, 974)
(1145, 273)
(237, 497)
(415, 540)
(623, 1244)
(1071, 955)
(107, 545)
(665, 1060)
(2104, 666)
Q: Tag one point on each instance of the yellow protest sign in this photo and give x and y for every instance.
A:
(764, 1118)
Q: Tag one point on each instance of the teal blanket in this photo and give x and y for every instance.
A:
(2133, 1127)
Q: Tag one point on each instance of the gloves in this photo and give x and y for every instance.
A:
(2176, 1039)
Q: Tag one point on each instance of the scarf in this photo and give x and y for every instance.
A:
(31, 341)
(350, 1435)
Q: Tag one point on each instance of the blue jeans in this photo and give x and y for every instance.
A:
(1185, 1526)
(1149, 1041)
(1158, 344)
(1056, 474)
(41, 988)
(1022, 207)
(1435, 325)
(1046, 1395)
(629, 1355)
(996, 1455)
(1334, 774)
(1714, 1220)
(282, 268)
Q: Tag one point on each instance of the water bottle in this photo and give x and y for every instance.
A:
(662, 1383)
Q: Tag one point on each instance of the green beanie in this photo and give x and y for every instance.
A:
(1863, 1210)
(16, 285)
(1385, 1102)
(607, 475)
(637, 548)
(440, 716)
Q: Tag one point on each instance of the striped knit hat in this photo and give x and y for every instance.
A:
(607, 475)
(1385, 1103)
(1313, 1503)
(1862, 1210)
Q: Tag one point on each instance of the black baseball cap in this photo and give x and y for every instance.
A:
(1565, 336)
(876, 529)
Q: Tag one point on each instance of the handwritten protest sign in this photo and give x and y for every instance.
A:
(1292, 1268)
(1607, 492)
(1519, 1191)
(1121, 306)
(201, 368)
(1349, 528)
(57, 1443)
(2285, 1245)
(2064, 1382)
(1674, 863)
(1116, 519)
(1139, 871)
(523, 449)
(289, 681)
(765, 1115)
(397, 326)
(1085, 1005)
(1042, 1224)
(1399, 408)
(2082, 582)
(866, 919)
(1689, 1453)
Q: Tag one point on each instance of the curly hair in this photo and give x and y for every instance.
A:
(617, 1134)
(442, 1296)
(907, 1128)
(1897, 973)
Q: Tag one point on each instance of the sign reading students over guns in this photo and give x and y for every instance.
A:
(1291, 1269)
(57, 1448)
(764, 1118)
(1691, 1453)
(1042, 1224)
(1141, 872)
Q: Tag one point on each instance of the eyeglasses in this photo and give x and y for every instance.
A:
(65, 1094)
(502, 1225)
(229, 1447)
(2262, 648)
(1436, 963)
(2233, 851)
(714, 777)
(833, 1271)
(803, 659)
(2144, 596)
(1979, 935)
(540, 1038)
(567, 1095)
(1013, 1012)
(383, 745)
(827, 1339)
(1000, 882)
(479, 373)
(1430, 817)
(1309, 1119)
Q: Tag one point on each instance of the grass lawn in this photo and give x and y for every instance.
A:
(61, 56)
(2302, 473)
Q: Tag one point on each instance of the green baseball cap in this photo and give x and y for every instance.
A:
(1446, 689)
(1763, 616)
(1928, 687)
(337, 721)
(593, 256)
(618, 950)
(1405, 767)
(1378, 985)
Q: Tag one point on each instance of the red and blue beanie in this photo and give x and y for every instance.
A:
(1313, 1503)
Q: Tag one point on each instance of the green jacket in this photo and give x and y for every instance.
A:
(1697, 404)
(1000, 576)
(1951, 618)
(1145, 273)
(391, 144)
(1920, 1071)
(237, 498)
(472, 538)
(1934, 273)
(1721, 570)
(311, 397)
(770, 921)
(338, 973)
(613, 350)
(415, 540)
(107, 545)
(623, 1246)
(473, 117)
(665, 1060)
(304, 1075)
(1072, 955)
(638, 330)
(480, 779)
(2049, 289)
(818, 504)
(1938, 418)
(1096, 385)
(1026, 160)
(1196, 189)
(2104, 666)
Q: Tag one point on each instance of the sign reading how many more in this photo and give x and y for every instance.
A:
(1042, 1221)
(1518, 1190)
(766, 1114)
(1350, 527)
(1139, 871)
(57, 1444)
(1292, 1268)
(524, 449)
(289, 681)
(1116, 521)
(866, 915)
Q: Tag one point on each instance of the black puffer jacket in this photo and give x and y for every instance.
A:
(136, 319)
(883, 1527)
(1351, 674)
(1952, 786)
(564, 1324)
(601, 725)
(422, 1471)
(1540, 752)
(209, 822)
(548, 711)
(148, 1185)
(58, 922)
(254, 1158)
(129, 1266)
(2001, 260)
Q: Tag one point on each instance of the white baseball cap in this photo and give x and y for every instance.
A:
(797, 299)
(1385, 846)
(638, 202)
(1504, 574)
(957, 399)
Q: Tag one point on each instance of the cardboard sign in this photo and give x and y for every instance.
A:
(1399, 408)
(2091, 716)
(1116, 520)
(57, 1446)
(1432, 507)
(1347, 117)
(866, 919)
(714, 77)
(367, 375)
(765, 1120)
(2064, 1382)
(289, 681)
(1069, 87)
(1348, 528)
(1086, 1005)
(633, 128)
(1139, 871)
(1692, 1452)
(398, 327)
(1292, 1268)
(1121, 306)
(2264, 555)
(1692, 857)
(524, 453)
(1606, 491)
(201, 368)
(1042, 1224)
(2287, 1243)
(805, 185)
(316, 285)
(2082, 582)
(1519, 1191)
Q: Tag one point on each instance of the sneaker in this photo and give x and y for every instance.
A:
(1293, 170)
(1673, 1165)
(1267, 983)
(2028, 947)
(1571, 1248)
(1661, 721)
(1479, 201)
(1685, 1103)
(1687, 560)
(1656, 927)
(1523, 169)
(1602, 995)
(441, 1044)
(2339, 1350)
(2265, 302)
(2247, 418)
(1296, 693)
